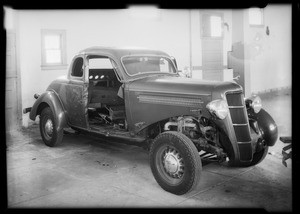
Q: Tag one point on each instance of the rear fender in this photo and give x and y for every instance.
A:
(51, 99)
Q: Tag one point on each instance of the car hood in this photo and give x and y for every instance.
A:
(181, 85)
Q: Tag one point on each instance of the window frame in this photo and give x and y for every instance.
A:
(262, 17)
(203, 33)
(63, 63)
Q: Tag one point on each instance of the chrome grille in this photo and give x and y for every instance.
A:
(239, 117)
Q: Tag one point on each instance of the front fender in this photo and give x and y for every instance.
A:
(267, 126)
(51, 99)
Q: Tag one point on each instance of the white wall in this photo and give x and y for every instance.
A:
(168, 32)
(269, 56)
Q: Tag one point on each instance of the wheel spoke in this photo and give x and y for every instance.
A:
(49, 132)
(172, 163)
(48, 127)
(175, 162)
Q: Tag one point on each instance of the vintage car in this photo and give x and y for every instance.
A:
(137, 95)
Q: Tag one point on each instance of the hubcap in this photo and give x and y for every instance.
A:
(173, 163)
(49, 128)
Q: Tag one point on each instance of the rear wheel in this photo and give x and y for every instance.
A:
(175, 162)
(48, 128)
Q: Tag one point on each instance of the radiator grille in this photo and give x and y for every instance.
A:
(239, 117)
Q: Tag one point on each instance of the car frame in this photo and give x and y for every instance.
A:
(142, 98)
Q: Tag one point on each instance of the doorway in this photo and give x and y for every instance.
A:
(212, 46)
(12, 105)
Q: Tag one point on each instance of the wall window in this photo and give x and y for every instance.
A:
(216, 26)
(212, 26)
(256, 17)
(54, 49)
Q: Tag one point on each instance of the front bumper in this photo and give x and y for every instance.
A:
(248, 132)
(247, 149)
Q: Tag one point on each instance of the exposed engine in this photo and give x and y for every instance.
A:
(193, 128)
(201, 131)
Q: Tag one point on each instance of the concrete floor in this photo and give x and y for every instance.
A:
(87, 172)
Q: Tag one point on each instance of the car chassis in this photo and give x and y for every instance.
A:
(142, 98)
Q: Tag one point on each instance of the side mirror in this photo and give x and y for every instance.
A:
(235, 79)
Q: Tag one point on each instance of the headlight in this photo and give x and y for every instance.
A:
(254, 102)
(218, 108)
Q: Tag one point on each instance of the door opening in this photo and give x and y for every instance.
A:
(12, 103)
(106, 106)
(212, 46)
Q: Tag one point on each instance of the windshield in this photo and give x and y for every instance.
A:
(147, 64)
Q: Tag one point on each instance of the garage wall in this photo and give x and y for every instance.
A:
(269, 56)
(176, 32)
(168, 31)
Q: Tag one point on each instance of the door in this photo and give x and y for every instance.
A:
(237, 63)
(76, 95)
(212, 46)
(12, 106)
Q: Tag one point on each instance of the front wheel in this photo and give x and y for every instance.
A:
(175, 162)
(48, 128)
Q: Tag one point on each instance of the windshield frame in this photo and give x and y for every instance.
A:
(151, 72)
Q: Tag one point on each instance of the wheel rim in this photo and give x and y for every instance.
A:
(170, 164)
(48, 128)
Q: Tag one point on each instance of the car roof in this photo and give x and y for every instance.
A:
(119, 52)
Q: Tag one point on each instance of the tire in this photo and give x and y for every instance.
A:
(175, 162)
(48, 128)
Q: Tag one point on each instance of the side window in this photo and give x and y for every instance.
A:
(102, 72)
(101, 68)
(100, 63)
(77, 69)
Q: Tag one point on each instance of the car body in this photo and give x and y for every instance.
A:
(138, 95)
